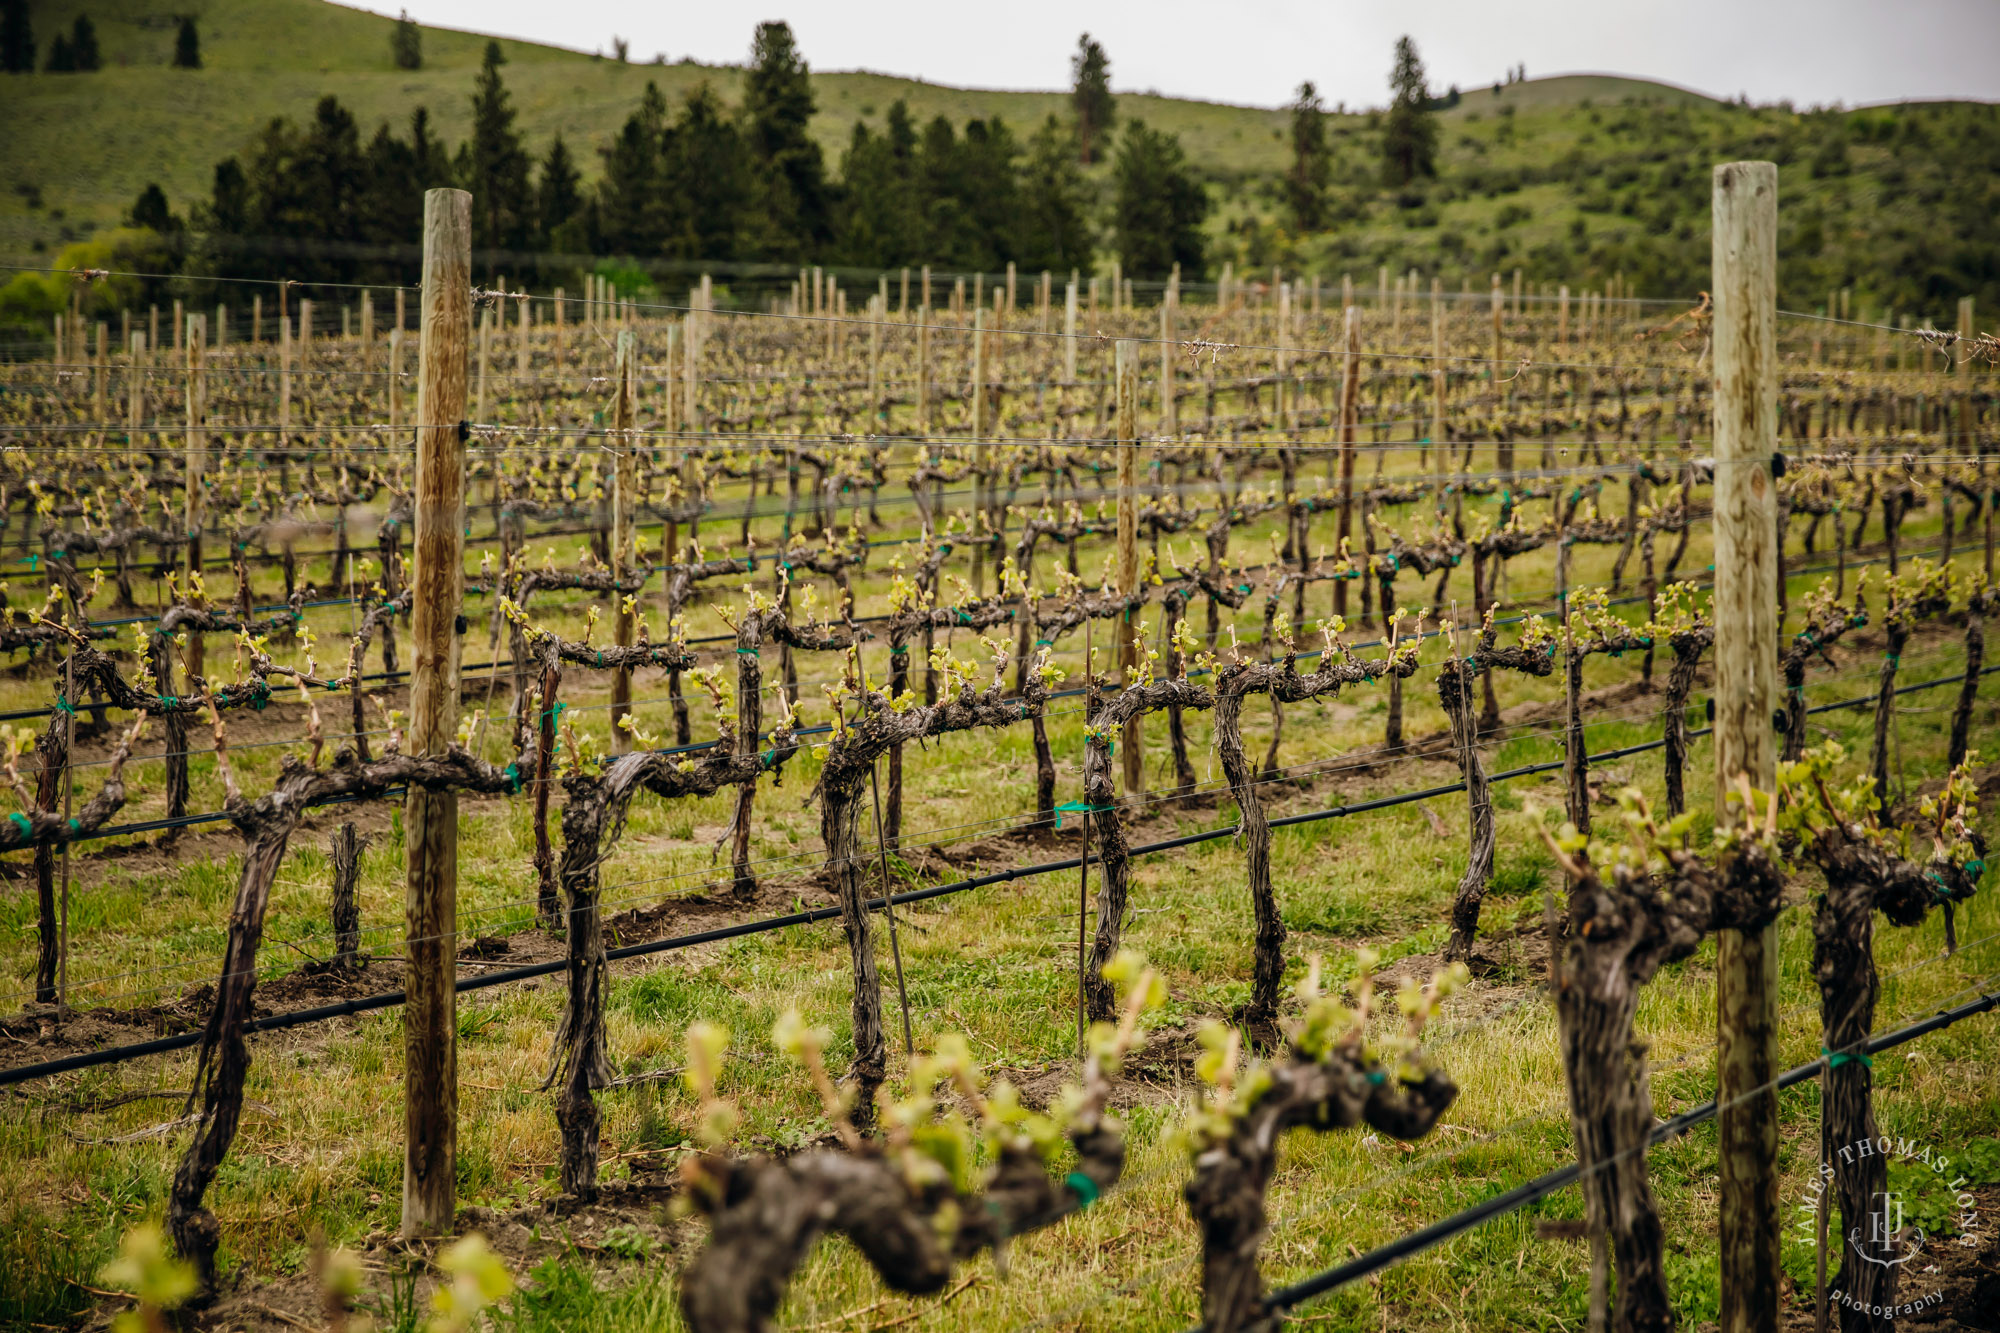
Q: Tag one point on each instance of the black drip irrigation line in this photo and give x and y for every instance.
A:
(1416, 1242)
(810, 916)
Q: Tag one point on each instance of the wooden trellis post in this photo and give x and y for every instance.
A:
(1069, 332)
(1746, 657)
(192, 514)
(1349, 385)
(430, 1018)
(625, 487)
(1126, 362)
(1440, 454)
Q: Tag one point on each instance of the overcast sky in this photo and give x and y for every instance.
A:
(1257, 51)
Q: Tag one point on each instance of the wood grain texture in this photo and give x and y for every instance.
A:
(1745, 258)
(430, 1026)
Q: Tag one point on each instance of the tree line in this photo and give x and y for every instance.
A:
(701, 182)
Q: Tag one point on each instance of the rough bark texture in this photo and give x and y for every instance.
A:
(1688, 646)
(593, 818)
(1829, 620)
(1226, 1193)
(343, 854)
(756, 629)
(1282, 681)
(1100, 793)
(1455, 696)
(850, 757)
(1624, 926)
(1968, 690)
(767, 1214)
(223, 1061)
(52, 746)
(1862, 878)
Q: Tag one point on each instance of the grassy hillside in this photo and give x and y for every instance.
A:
(1571, 178)
(89, 143)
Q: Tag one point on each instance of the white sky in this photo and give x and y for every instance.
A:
(1257, 51)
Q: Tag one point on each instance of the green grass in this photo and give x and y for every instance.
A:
(325, 1159)
(1575, 178)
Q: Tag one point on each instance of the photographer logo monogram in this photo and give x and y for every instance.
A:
(1887, 1236)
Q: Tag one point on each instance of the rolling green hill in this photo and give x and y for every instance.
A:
(1571, 178)
(89, 143)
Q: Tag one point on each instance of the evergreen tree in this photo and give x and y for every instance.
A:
(62, 56)
(1157, 205)
(389, 212)
(1055, 221)
(83, 44)
(227, 211)
(558, 195)
(946, 230)
(992, 199)
(151, 213)
(430, 163)
(630, 200)
(881, 223)
(406, 43)
(1409, 133)
(1090, 96)
(496, 165)
(1312, 163)
(707, 178)
(167, 252)
(778, 109)
(17, 38)
(187, 45)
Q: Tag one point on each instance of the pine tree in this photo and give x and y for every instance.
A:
(496, 165)
(630, 201)
(187, 45)
(430, 163)
(151, 213)
(1409, 134)
(17, 38)
(62, 57)
(777, 110)
(1055, 208)
(83, 44)
(947, 231)
(558, 195)
(1090, 96)
(707, 175)
(406, 43)
(881, 225)
(1312, 163)
(1157, 206)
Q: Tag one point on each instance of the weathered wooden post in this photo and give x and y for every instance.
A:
(1439, 453)
(1170, 416)
(1745, 255)
(135, 406)
(284, 376)
(395, 378)
(192, 507)
(1349, 385)
(878, 310)
(1069, 332)
(1126, 362)
(100, 379)
(624, 490)
(430, 1017)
